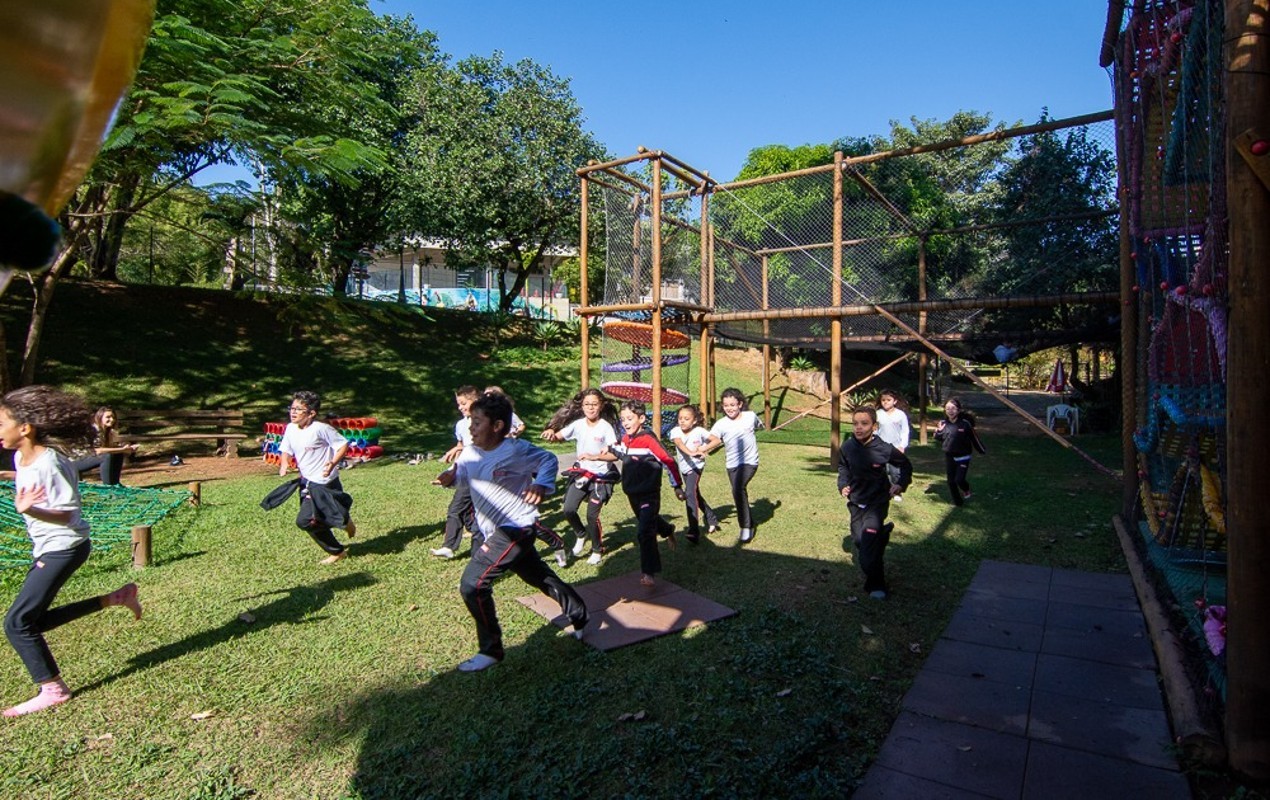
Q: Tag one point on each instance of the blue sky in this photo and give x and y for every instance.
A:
(709, 81)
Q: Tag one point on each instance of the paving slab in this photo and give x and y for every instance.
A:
(1043, 685)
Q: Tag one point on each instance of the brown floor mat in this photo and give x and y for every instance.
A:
(623, 612)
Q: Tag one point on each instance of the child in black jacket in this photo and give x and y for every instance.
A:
(864, 482)
(958, 437)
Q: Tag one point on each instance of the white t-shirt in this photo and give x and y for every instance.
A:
(693, 440)
(313, 445)
(51, 470)
(498, 479)
(893, 427)
(591, 439)
(738, 438)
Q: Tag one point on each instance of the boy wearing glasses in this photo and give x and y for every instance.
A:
(318, 449)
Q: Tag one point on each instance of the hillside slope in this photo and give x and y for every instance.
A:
(176, 347)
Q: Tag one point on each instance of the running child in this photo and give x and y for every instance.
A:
(958, 437)
(690, 438)
(46, 490)
(459, 515)
(317, 449)
(735, 432)
(893, 427)
(643, 459)
(863, 481)
(506, 479)
(588, 419)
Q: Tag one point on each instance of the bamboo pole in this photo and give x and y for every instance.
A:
(767, 355)
(583, 287)
(980, 138)
(613, 308)
(656, 295)
(872, 191)
(704, 177)
(911, 307)
(835, 324)
(1247, 85)
(1111, 33)
(607, 166)
(704, 296)
(196, 492)
(686, 306)
(1197, 741)
(639, 185)
(923, 398)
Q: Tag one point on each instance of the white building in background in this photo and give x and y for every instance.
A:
(429, 282)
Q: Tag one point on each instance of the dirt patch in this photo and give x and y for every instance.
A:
(159, 471)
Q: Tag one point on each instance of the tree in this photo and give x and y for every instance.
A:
(218, 79)
(1056, 174)
(492, 166)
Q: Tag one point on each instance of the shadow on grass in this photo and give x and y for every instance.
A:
(294, 606)
(395, 540)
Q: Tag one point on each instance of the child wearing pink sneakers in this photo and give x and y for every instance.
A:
(47, 496)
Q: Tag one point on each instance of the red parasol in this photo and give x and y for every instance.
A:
(1058, 379)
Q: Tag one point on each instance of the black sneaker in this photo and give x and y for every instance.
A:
(887, 528)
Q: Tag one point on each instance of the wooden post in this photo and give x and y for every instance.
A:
(196, 493)
(1128, 364)
(922, 363)
(655, 297)
(1247, 83)
(767, 357)
(835, 324)
(140, 546)
(583, 288)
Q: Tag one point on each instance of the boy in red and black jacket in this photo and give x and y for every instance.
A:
(643, 461)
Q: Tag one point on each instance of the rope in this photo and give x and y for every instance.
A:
(111, 513)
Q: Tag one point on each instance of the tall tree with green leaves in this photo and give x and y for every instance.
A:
(220, 79)
(492, 166)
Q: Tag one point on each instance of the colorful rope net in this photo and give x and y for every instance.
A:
(111, 512)
(1170, 120)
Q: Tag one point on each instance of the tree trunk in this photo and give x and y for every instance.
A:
(104, 263)
(43, 288)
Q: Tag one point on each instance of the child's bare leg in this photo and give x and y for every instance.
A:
(125, 595)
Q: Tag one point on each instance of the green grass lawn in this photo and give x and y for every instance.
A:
(344, 685)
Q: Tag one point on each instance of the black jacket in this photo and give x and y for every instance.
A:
(863, 468)
(329, 508)
(958, 437)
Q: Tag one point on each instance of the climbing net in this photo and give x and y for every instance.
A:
(111, 513)
(1170, 119)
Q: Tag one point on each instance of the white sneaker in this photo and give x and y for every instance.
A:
(442, 552)
(562, 558)
(595, 559)
(747, 535)
(477, 663)
(878, 594)
(899, 498)
(579, 546)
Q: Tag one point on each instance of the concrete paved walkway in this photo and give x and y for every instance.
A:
(1043, 686)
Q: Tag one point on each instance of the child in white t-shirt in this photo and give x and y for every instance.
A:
(317, 449)
(690, 440)
(588, 420)
(46, 494)
(735, 432)
(893, 428)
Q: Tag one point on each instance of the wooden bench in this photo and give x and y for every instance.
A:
(223, 425)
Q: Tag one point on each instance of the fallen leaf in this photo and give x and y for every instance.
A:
(914, 647)
(640, 715)
(247, 617)
(625, 717)
(965, 748)
(202, 715)
(1080, 534)
(866, 630)
(874, 678)
(853, 599)
(413, 607)
(100, 741)
(784, 692)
